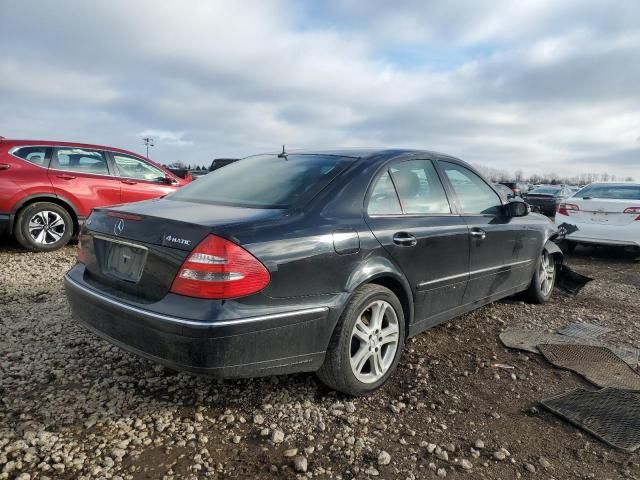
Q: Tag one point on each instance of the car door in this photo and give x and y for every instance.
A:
(497, 240)
(139, 179)
(409, 213)
(83, 177)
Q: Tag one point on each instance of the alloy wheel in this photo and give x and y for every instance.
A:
(374, 341)
(547, 273)
(46, 227)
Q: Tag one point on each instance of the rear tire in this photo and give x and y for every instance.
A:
(43, 227)
(543, 280)
(367, 343)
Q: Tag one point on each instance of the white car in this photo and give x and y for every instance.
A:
(604, 214)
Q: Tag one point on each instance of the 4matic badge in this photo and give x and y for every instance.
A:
(176, 240)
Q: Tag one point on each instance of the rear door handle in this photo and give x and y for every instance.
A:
(4, 166)
(66, 177)
(404, 239)
(478, 233)
(128, 182)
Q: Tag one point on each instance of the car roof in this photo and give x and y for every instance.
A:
(57, 143)
(366, 152)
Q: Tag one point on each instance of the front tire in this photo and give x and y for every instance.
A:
(367, 344)
(543, 280)
(43, 227)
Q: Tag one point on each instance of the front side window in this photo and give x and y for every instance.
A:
(475, 196)
(384, 200)
(419, 188)
(265, 181)
(35, 155)
(81, 160)
(131, 167)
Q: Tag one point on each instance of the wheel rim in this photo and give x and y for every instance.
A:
(546, 273)
(46, 227)
(374, 341)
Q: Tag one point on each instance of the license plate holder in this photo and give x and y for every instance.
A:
(124, 261)
(599, 217)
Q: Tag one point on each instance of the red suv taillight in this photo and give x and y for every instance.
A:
(565, 208)
(632, 210)
(220, 269)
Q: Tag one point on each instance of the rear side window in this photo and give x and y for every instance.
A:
(620, 192)
(265, 181)
(383, 200)
(80, 160)
(419, 188)
(35, 155)
(475, 196)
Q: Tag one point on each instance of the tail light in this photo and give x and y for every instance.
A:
(220, 269)
(632, 210)
(565, 208)
(80, 251)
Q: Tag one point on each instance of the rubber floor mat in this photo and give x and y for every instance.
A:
(598, 365)
(583, 330)
(528, 340)
(610, 414)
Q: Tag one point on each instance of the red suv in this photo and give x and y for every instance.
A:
(47, 189)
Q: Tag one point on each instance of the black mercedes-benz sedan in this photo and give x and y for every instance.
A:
(306, 261)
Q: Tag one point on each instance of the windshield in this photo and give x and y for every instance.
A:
(621, 192)
(265, 181)
(546, 190)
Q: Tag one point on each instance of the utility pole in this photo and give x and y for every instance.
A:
(148, 142)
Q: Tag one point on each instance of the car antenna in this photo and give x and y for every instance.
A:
(283, 154)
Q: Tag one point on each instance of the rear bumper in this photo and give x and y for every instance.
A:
(286, 342)
(603, 234)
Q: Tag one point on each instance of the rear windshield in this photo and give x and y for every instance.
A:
(265, 181)
(622, 192)
(546, 190)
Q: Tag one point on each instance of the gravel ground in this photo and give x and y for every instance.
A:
(73, 406)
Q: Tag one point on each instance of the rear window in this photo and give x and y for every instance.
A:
(621, 192)
(265, 181)
(546, 190)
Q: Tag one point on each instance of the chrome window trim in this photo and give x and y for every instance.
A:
(46, 145)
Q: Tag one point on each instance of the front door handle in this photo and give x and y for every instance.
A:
(478, 233)
(64, 176)
(404, 239)
(129, 182)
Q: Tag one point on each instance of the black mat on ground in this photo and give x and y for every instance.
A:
(598, 365)
(569, 281)
(583, 330)
(529, 340)
(610, 414)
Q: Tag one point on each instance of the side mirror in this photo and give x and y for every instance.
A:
(168, 180)
(517, 208)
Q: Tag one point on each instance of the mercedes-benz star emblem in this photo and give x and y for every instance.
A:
(118, 227)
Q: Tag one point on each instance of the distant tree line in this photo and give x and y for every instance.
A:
(187, 166)
(551, 178)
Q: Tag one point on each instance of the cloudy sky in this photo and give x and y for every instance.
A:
(544, 86)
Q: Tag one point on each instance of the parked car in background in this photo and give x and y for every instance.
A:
(518, 188)
(604, 214)
(546, 198)
(505, 192)
(318, 261)
(48, 188)
(195, 174)
(221, 162)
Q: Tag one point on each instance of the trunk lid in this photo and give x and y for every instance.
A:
(135, 250)
(602, 211)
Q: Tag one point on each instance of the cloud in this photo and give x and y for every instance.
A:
(535, 85)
